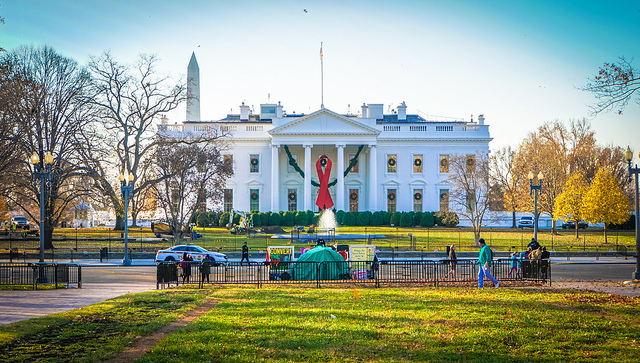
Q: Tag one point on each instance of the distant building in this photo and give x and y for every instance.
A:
(401, 160)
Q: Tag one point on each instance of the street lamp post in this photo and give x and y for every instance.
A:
(536, 190)
(635, 171)
(126, 186)
(42, 172)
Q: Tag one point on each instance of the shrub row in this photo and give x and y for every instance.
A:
(302, 218)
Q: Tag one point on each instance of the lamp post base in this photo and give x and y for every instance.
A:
(126, 261)
(636, 275)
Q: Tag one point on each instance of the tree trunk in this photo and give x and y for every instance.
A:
(134, 218)
(513, 216)
(119, 223)
(48, 238)
(48, 233)
(605, 233)
(577, 228)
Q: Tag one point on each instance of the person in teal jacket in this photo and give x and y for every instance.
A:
(484, 263)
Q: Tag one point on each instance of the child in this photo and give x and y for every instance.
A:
(516, 263)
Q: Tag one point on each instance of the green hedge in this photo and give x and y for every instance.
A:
(305, 218)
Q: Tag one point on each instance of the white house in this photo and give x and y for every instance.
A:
(401, 160)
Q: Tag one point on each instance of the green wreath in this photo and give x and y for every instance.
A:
(417, 162)
(443, 162)
(292, 196)
(392, 162)
(254, 161)
(417, 196)
(353, 196)
(391, 196)
(294, 163)
(254, 196)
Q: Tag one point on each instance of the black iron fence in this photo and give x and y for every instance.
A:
(318, 273)
(35, 274)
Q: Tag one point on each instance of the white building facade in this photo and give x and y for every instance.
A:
(400, 161)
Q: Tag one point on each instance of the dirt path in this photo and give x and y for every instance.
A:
(142, 345)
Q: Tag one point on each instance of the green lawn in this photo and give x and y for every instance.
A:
(426, 239)
(294, 324)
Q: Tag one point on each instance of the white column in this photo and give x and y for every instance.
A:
(373, 179)
(340, 174)
(307, 177)
(275, 182)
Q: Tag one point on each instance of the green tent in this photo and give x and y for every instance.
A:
(309, 265)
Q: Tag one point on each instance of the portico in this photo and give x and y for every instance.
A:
(309, 136)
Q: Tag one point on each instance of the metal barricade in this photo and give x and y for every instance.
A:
(329, 272)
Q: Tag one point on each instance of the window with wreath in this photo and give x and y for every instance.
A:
(254, 200)
(175, 198)
(202, 200)
(392, 160)
(417, 163)
(391, 200)
(228, 160)
(417, 200)
(254, 163)
(292, 200)
(444, 163)
(444, 200)
(355, 167)
(471, 163)
(353, 200)
(228, 200)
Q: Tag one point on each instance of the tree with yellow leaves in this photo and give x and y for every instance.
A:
(570, 204)
(604, 201)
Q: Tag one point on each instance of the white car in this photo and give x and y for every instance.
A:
(197, 253)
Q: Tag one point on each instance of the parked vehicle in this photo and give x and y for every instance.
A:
(20, 222)
(572, 225)
(197, 253)
(525, 221)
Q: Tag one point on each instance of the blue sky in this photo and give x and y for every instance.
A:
(516, 62)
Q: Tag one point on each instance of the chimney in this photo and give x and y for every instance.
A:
(279, 110)
(244, 112)
(402, 112)
(365, 110)
(376, 111)
(481, 120)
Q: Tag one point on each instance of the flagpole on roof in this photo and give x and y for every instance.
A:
(321, 79)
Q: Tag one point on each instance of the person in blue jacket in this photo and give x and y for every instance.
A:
(484, 263)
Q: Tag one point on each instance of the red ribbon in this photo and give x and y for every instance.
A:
(324, 200)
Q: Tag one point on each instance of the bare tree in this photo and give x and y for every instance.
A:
(57, 109)
(189, 173)
(470, 186)
(130, 100)
(14, 86)
(503, 176)
(613, 86)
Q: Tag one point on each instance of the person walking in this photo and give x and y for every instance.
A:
(484, 263)
(185, 265)
(453, 262)
(245, 253)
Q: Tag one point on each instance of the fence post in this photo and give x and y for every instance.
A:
(79, 277)
(435, 274)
